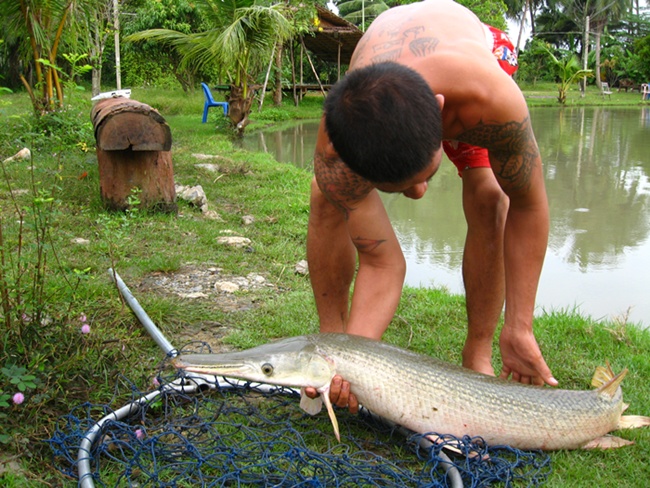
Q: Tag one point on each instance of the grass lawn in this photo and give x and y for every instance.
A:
(57, 243)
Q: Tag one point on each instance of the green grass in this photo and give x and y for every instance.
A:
(57, 194)
(544, 94)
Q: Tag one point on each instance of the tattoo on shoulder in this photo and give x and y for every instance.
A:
(512, 145)
(341, 185)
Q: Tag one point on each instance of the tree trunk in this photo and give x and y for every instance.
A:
(599, 28)
(532, 21)
(96, 80)
(239, 108)
(277, 92)
(97, 43)
(521, 27)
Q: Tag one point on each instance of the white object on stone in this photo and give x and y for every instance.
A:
(112, 94)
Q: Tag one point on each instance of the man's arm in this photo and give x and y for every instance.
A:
(517, 165)
(347, 216)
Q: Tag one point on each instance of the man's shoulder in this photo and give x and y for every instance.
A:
(338, 182)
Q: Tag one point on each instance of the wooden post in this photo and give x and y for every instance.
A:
(133, 152)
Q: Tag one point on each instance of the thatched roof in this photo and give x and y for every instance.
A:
(333, 33)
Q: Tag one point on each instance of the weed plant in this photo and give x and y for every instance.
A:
(68, 338)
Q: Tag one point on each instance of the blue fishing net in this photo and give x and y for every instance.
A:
(227, 434)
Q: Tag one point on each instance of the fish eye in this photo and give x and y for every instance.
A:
(267, 369)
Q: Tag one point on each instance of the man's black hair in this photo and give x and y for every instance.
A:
(384, 122)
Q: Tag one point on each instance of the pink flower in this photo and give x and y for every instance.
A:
(139, 433)
(85, 329)
(155, 382)
(18, 398)
(82, 318)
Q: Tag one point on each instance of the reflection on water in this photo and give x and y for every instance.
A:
(289, 143)
(596, 164)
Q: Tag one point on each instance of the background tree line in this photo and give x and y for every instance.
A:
(50, 46)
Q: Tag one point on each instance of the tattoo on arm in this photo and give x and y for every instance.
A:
(513, 145)
(342, 187)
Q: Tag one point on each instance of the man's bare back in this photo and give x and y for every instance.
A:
(450, 48)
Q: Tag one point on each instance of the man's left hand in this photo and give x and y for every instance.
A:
(522, 358)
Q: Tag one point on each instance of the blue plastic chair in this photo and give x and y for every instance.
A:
(210, 102)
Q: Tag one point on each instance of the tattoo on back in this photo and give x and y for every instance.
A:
(512, 145)
(423, 46)
(391, 49)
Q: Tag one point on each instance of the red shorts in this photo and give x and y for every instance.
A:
(463, 155)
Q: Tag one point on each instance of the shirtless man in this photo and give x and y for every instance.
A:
(421, 74)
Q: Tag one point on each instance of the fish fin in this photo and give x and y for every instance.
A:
(633, 421)
(606, 381)
(602, 375)
(325, 395)
(607, 442)
(310, 405)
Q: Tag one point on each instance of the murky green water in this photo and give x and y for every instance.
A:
(597, 167)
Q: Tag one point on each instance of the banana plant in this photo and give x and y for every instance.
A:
(568, 71)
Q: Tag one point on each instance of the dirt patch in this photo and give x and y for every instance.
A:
(204, 337)
(206, 282)
(228, 293)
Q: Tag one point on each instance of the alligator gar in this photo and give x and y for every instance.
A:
(427, 395)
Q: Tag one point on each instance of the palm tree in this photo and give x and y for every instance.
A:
(40, 25)
(240, 44)
(597, 14)
(361, 12)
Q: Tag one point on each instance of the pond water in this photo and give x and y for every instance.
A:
(597, 167)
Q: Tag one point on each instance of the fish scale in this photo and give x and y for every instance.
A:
(426, 395)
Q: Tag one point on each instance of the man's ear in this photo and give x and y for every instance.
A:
(330, 151)
(323, 141)
(441, 100)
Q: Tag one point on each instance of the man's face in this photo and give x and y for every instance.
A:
(416, 186)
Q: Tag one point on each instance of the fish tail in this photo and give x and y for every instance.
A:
(606, 381)
(633, 421)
